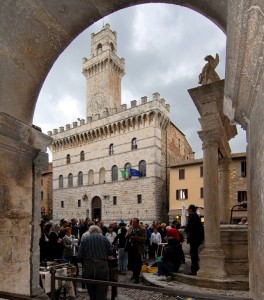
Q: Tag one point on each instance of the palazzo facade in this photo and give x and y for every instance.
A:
(90, 156)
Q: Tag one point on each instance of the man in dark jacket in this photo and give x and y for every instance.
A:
(136, 237)
(195, 236)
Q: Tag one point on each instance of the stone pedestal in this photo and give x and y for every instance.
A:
(23, 158)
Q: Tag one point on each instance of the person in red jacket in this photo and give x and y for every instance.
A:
(173, 231)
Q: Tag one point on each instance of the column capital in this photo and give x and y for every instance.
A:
(18, 137)
(210, 138)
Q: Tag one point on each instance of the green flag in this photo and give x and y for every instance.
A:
(123, 174)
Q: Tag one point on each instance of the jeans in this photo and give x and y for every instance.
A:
(122, 260)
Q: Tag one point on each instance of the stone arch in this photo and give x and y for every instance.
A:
(26, 63)
(96, 208)
(60, 36)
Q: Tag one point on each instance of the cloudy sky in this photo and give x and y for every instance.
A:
(164, 47)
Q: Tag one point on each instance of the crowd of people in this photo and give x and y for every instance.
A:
(93, 244)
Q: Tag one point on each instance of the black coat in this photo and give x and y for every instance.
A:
(194, 229)
(172, 256)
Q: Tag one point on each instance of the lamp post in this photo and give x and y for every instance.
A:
(183, 217)
(243, 204)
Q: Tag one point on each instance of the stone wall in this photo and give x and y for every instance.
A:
(237, 182)
(46, 191)
(149, 124)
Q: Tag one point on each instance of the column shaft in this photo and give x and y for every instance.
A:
(224, 197)
(212, 254)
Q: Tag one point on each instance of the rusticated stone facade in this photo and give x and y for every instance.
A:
(149, 124)
(113, 136)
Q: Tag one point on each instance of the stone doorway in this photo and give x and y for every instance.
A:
(96, 208)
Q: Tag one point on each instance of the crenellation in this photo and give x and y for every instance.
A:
(156, 96)
(123, 107)
(115, 111)
(55, 131)
(144, 100)
(133, 103)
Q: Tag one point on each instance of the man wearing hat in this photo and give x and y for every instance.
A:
(195, 236)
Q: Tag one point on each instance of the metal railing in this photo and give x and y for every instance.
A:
(176, 292)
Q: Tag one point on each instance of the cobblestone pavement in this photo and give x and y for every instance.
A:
(151, 279)
(131, 294)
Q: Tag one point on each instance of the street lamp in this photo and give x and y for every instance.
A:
(183, 217)
(243, 204)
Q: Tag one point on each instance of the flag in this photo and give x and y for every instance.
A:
(124, 174)
(134, 172)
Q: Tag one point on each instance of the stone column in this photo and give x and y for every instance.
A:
(212, 259)
(23, 157)
(224, 199)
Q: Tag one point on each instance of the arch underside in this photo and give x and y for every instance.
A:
(34, 34)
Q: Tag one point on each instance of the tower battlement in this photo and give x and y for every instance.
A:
(134, 105)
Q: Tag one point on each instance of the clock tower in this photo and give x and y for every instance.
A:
(103, 72)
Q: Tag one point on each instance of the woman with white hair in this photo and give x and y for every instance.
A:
(55, 242)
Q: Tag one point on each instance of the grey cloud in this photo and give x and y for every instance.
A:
(168, 63)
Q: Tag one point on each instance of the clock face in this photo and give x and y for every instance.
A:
(97, 103)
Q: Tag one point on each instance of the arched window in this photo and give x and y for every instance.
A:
(60, 181)
(70, 180)
(99, 48)
(82, 156)
(134, 144)
(102, 175)
(80, 178)
(112, 47)
(114, 173)
(142, 167)
(111, 149)
(91, 177)
(68, 159)
(127, 169)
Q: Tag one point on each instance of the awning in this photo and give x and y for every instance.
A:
(178, 212)
(239, 214)
(175, 212)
